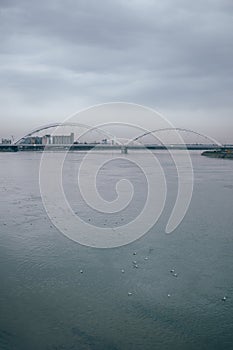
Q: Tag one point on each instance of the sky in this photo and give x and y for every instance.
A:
(176, 56)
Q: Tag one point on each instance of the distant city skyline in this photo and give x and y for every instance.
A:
(174, 56)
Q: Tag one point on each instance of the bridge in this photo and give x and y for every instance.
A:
(112, 143)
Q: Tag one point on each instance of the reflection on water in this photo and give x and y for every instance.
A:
(46, 303)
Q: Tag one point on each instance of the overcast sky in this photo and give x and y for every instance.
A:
(172, 55)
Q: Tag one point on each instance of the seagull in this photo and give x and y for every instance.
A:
(224, 298)
(129, 294)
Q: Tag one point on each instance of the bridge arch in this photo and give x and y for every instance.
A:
(182, 130)
(55, 125)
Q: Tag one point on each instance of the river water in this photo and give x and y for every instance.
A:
(46, 303)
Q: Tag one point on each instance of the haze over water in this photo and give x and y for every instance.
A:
(46, 303)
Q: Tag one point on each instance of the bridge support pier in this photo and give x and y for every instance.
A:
(124, 150)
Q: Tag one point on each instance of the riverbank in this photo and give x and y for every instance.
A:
(8, 148)
(224, 153)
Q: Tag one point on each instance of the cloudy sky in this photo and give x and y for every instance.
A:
(176, 56)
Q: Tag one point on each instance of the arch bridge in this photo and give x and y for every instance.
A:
(134, 143)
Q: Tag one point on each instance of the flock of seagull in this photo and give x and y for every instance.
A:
(172, 271)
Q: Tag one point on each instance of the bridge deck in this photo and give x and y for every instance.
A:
(99, 147)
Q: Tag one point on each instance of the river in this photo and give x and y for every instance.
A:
(46, 303)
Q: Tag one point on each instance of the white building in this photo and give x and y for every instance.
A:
(46, 140)
(63, 139)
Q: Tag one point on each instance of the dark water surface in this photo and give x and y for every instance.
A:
(46, 303)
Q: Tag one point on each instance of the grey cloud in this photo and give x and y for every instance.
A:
(174, 54)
